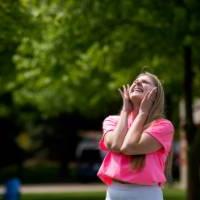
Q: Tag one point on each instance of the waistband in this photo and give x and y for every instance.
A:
(118, 182)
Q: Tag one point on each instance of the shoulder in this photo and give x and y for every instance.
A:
(163, 125)
(110, 122)
(163, 131)
(111, 118)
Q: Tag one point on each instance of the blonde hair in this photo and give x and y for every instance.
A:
(157, 111)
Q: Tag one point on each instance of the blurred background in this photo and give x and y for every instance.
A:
(61, 63)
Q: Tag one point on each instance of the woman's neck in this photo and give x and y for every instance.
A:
(136, 107)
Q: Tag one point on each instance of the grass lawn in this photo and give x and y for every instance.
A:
(174, 194)
(169, 193)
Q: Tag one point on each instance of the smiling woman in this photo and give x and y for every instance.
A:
(140, 87)
(137, 143)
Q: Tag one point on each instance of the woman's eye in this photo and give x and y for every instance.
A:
(146, 82)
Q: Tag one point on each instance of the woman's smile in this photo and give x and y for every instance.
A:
(138, 89)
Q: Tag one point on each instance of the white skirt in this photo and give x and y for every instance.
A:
(119, 191)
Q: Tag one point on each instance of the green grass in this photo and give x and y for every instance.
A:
(174, 194)
(67, 196)
(169, 194)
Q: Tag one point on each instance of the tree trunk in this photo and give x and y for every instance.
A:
(191, 132)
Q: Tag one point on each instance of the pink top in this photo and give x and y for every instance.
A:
(117, 166)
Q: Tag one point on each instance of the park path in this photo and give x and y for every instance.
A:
(59, 188)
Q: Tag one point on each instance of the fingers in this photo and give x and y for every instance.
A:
(121, 92)
(152, 94)
(124, 91)
(131, 87)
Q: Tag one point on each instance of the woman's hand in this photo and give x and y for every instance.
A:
(147, 101)
(127, 105)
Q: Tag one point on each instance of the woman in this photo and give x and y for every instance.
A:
(138, 142)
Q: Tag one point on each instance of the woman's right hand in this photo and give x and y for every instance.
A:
(148, 101)
(127, 104)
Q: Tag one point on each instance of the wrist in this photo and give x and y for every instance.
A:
(143, 114)
(125, 111)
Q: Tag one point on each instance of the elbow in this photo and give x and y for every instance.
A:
(125, 150)
(113, 147)
(129, 149)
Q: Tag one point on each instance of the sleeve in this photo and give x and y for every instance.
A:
(109, 124)
(162, 131)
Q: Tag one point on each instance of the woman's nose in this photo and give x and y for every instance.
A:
(137, 82)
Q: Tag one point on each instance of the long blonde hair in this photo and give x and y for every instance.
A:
(157, 111)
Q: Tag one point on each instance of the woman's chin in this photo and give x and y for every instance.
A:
(136, 98)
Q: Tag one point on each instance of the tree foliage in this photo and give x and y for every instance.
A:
(84, 50)
(75, 54)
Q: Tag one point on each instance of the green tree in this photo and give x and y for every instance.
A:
(76, 52)
(14, 24)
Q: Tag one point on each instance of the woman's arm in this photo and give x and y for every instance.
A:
(134, 133)
(113, 140)
(146, 144)
(136, 142)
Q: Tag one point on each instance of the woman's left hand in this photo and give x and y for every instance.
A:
(147, 101)
(127, 104)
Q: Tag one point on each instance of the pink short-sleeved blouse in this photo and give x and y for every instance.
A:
(118, 166)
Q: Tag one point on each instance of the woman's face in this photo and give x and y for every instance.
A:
(141, 86)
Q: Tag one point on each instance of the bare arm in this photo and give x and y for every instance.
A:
(146, 144)
(114, 139)
(134, 133)
(137, 142)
